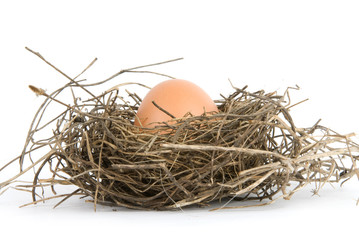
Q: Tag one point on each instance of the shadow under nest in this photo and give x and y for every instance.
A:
(250, 150)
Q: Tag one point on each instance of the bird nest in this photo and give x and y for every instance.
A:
(250, 150)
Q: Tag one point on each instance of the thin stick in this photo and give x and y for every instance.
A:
(163, 110)
(62, 73)
(83, 71)
(9, 181)
(131, 69)
(220, 148)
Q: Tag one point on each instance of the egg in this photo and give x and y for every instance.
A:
(176, 97)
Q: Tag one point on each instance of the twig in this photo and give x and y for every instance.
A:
(163, 110)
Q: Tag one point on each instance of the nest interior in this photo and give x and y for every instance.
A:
(250, 150)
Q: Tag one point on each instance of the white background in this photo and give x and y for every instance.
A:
(266, 45)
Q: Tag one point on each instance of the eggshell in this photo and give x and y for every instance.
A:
(177, 97)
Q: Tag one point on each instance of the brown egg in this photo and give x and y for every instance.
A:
(177, 97)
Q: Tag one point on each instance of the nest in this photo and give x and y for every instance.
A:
(250, 150)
